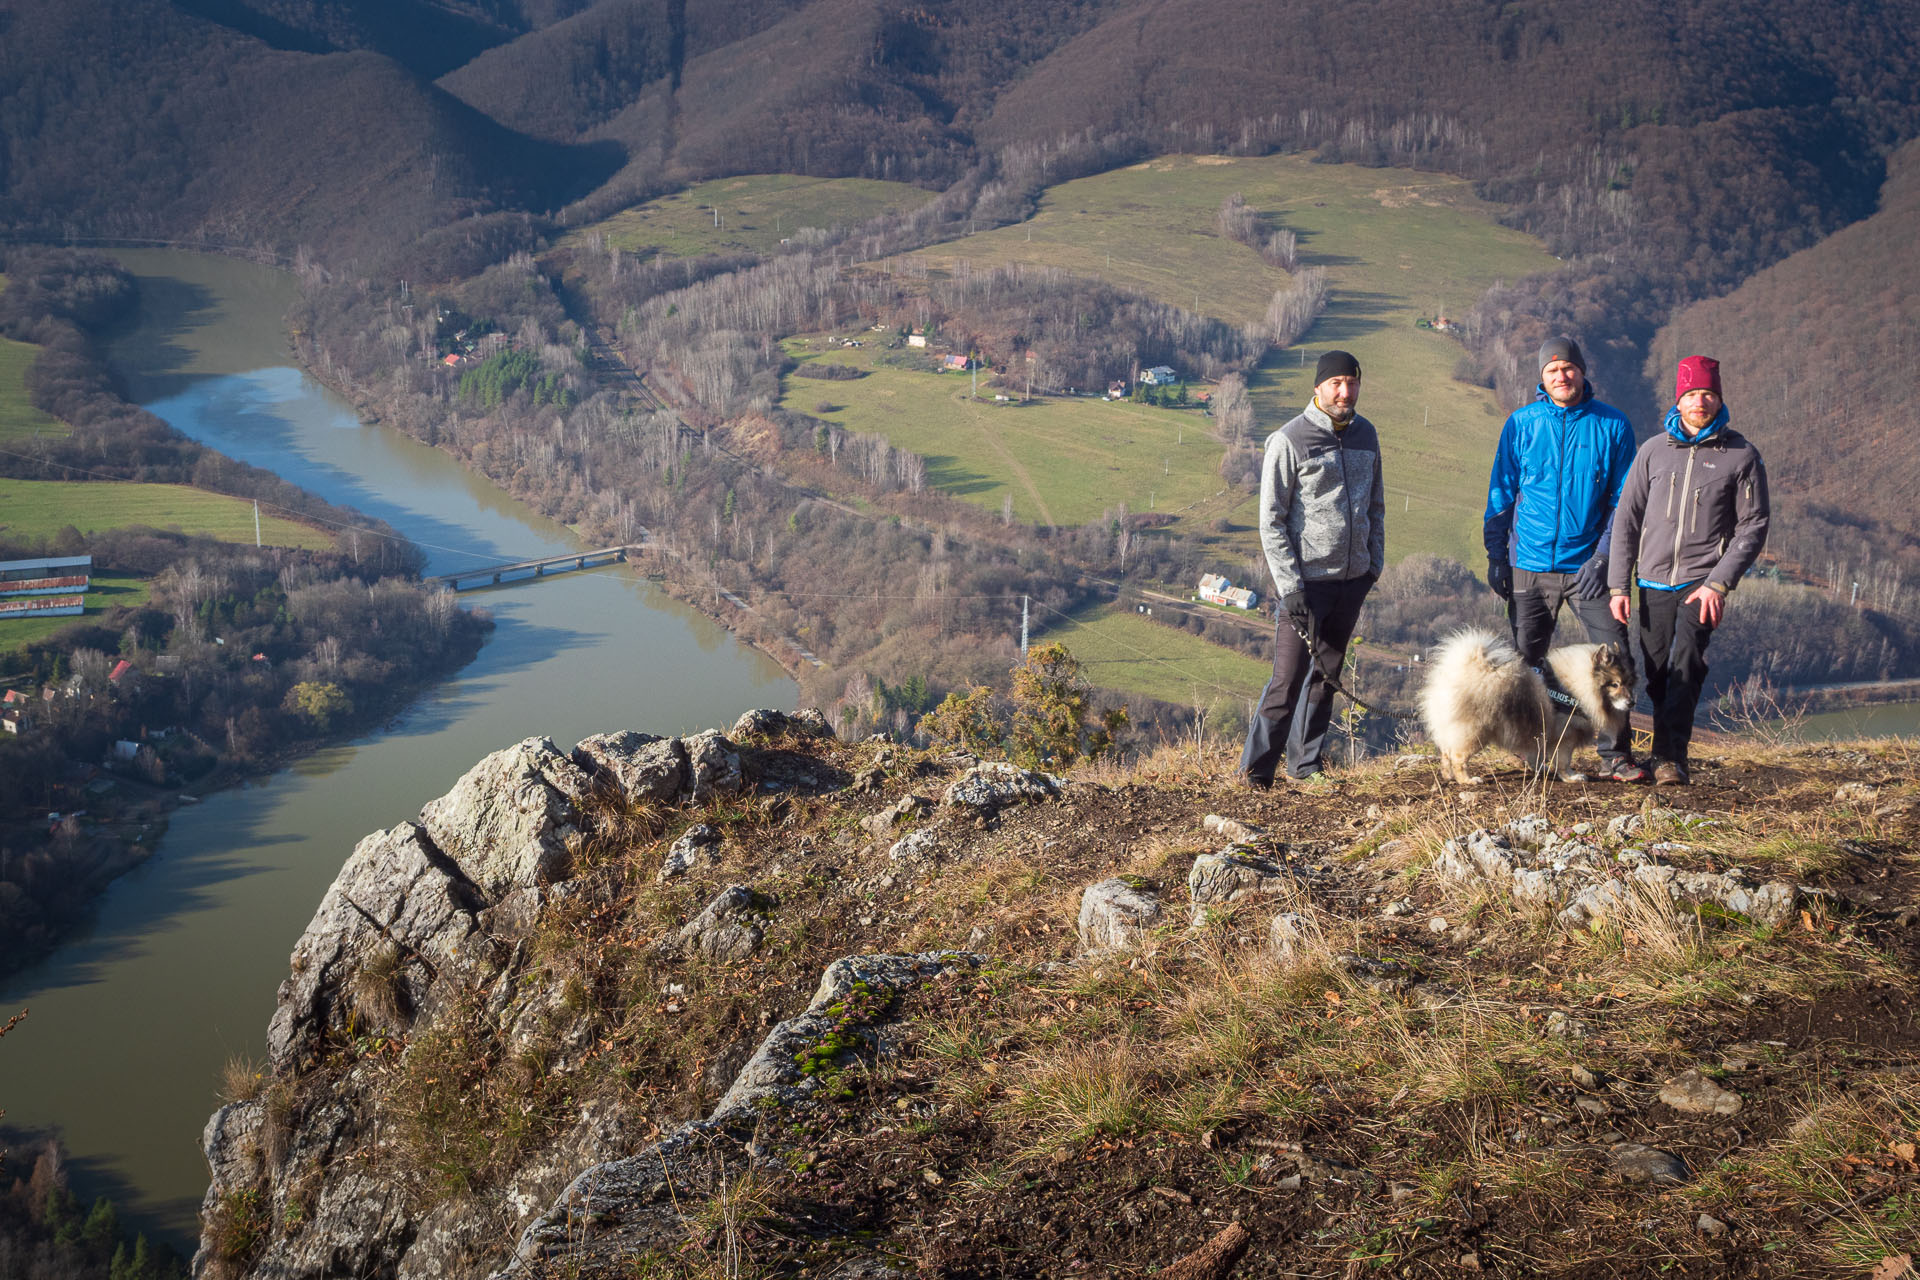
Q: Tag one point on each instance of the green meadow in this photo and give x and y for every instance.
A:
(41, 508)
(19, 420)
(1128, 653)
(756, 211)
(1396, 245)
(1065, 460)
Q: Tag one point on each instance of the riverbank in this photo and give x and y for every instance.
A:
(137, 1014)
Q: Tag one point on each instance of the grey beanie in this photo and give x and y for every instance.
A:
(1561, 348)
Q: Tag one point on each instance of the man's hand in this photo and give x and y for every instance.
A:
(1621, 609)
(1295, 603)
(1591, 582)
(1500, 578)
(1712, 604)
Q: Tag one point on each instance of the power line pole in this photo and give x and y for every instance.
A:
(256, 522)
(1023, 628)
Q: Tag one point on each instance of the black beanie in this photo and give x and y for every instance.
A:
(1561, 348)
(1335, 364)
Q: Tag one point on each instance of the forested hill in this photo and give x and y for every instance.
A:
(135, 118)
(1817, 354)
(282, 121)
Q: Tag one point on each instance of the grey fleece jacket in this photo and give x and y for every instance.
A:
(1692, 510)
(1323, 504)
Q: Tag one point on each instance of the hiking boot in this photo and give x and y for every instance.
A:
(1251, 783)
(1670, 773)
(1626, 771)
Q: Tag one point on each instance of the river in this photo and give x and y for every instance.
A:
(132, 1021)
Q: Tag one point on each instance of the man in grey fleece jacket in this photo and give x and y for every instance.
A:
(1323, 528)
(1692, 519)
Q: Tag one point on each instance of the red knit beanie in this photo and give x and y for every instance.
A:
(1697, 373)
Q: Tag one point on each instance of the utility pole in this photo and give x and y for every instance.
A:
(256, 522)
(1023, 628)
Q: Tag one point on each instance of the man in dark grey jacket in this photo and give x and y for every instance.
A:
(1692, 519)
(1323, 528)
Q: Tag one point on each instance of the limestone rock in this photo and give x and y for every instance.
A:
(915, 846)
(731, 926)
(1232, 828)
(907, 808)
(394, 892)
(645, 769)
(1230, 876)
(713, 767)
(1635, 1163)
(698, 840)
(1528, 860)
(509, 821)
(1696, 1094)
(1292, 935)
(1856, 793)
(1116, 915)
(808, 722)
(621, 1208)
(231, 1144)
(991, 787)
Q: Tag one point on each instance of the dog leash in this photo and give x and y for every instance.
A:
(1313, 656)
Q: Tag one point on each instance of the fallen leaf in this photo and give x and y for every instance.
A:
(1905, 1150)
(1893, 1266)
(1333, 997)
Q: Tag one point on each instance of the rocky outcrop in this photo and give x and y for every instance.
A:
(1587, 885)
(989, 788)
(1117, 914)
(510, 820)
(624, 1207)
(422, 915)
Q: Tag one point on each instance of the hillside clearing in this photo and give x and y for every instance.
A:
(41, 508)
(1397, 245)
(756, 212)
(1064, 459)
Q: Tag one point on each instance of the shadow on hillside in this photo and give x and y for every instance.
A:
(1351, 315)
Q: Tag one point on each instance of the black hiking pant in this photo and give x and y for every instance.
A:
(1297, 706)
(1535, 610)
(1675, 642)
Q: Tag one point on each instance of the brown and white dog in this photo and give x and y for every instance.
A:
(1478, 693)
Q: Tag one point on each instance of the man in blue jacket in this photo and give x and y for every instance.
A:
(1550, 500)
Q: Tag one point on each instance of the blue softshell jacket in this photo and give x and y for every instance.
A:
(1556, 477)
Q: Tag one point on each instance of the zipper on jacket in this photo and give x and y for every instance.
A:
(1680, 524)
(1346, 497)
(1694, 525)
(1560, 479)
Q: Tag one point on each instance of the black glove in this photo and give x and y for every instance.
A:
(1295, 603)
(1500, 578)
(1591, 582)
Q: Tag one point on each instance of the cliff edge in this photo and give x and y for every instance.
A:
(765, 1003)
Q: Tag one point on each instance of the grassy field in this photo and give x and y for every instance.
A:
(756, 212)
(1122, 651)
(1395, 244)
(1065, 460)
(37, 508)
(18, 419)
